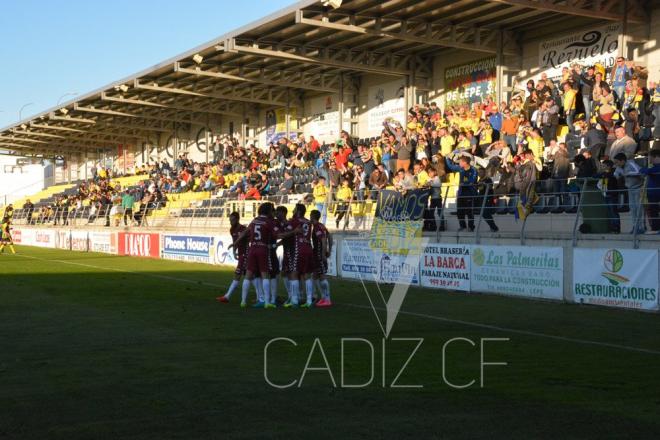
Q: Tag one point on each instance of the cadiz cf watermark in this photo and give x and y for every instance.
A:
(395, 246)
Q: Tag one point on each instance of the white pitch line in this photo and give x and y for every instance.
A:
(516, 331)
(358, 306)
(114, 269)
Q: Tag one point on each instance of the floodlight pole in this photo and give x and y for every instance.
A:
(20, 112)
(65, 95)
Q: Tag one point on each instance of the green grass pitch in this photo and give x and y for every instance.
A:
(96, 346)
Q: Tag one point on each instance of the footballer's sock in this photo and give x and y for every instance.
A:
(2, 247)
(11, 246)
(245, 291)
(287, 286)
(295, 286)
(325, 289)
(232, 287)
(273, 290)
(317, 287)
(309, 288)
(258, 287)
(266, 289)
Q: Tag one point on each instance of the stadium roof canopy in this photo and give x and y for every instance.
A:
(303, 50)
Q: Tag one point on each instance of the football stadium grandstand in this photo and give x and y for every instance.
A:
(192, 137)
(528, 129)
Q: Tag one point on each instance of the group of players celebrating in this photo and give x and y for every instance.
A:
(306, 244)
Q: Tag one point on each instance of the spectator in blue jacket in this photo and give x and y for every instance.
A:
(467, 190)
(653, 190)
(621, 73)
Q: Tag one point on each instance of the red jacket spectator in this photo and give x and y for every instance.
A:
(313, 144)
(252, 194)
(341, 157)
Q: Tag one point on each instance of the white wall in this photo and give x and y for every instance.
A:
(19, 181)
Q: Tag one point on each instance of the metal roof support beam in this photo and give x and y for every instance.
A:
(131, 115)
(570, 9)
(407, 33)
(77, 130)
(13, 145)
(14, 139)
(84, 144)
(113, 132)
(33, 150)
(53, 117)
(323, 58)
(223, 97)
(298, 82)
(146, 128)
(80, 108)
(36, 133)
(108, 137)
(141, 102)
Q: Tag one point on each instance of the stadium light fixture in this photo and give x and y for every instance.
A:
(334, 4)
(20, 112)
(121, 88)
(65, 95)
(64, 110)
(197, 58)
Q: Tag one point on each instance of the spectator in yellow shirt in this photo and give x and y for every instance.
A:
(447, 142)
(463, 143)
(344, 197)
(569, 105)
(320, 192)
(376, 152)
(535, 143)
(421, 176)
(485, 134)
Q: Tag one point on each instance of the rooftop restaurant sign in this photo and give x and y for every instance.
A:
(598, 45)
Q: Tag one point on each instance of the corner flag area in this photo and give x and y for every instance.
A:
(101, 346)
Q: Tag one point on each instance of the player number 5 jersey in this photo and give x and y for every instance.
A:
(261, 232)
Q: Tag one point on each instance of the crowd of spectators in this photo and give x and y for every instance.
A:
(485, 150)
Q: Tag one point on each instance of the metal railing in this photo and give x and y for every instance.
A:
(557, 213)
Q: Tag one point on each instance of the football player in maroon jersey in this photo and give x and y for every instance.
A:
(301, 260)
(260, 234)
(281, 227)
(240, 254)
(322, 243)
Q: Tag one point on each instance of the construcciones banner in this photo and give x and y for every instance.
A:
(535, 272)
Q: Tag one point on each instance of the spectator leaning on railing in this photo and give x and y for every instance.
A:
(653, 190)
(631, 172)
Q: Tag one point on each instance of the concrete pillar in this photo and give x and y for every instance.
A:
(499, 68)
(340, 104)
(287, 116)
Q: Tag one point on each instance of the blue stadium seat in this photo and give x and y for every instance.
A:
(573, 201)
(545, 204)
(500, 207)
(552, 203)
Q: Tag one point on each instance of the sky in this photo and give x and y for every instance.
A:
(51, 48)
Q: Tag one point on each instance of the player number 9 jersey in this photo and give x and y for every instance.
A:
(305, 236)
